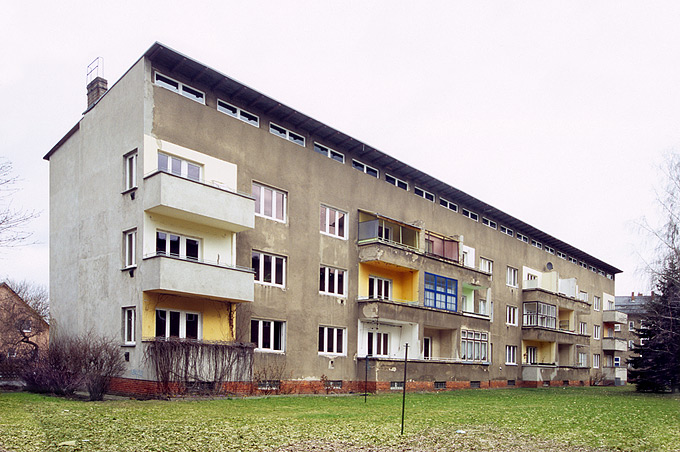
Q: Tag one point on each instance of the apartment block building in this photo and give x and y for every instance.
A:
(207, 211)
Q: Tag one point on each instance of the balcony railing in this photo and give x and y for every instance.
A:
(373, 228)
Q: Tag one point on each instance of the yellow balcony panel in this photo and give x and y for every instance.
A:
(164, 274)
(200, 203)
(614, 317)
(614, 344)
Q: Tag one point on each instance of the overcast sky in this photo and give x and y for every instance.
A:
(558, 113)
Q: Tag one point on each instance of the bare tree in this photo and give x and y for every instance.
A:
(22, 329)
(13, 220)
(34, 294)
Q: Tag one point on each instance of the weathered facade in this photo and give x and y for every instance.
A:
(206, 210)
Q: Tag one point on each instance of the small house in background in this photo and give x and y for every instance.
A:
(23, 332)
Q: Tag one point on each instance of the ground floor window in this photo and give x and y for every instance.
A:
(441, 292)
(510, 354)
(332, 340)
(129, 326)
(180, 324)
(378, 344)
(427, 347)
(474, 345)
(582, 359)
(268, 335)
(596, 361)
(531, 355)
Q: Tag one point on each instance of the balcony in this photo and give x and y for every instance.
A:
(614, 317)
(616, 375)
(614, 344)
(197, 202)
(171, 275)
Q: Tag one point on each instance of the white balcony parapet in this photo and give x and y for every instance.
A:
(614, 317)
(614, 344)
(166, 274)
(197, 202)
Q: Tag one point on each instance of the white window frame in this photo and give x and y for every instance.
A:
(448, 204)
(396, 182)
(130, 162)
(536, 244)
(511, 315)
(486, 265)
(507, 231)
(182, 322)
(631, 325)
(573, 260)
(185, 165)
(512, 279)
(379, 284)
(130, 248)
(582, 359)
(260, 332)
(597, 303)
(129, 325)
(331, 212)
(549, 249)
(522, 238)
(179, 87)
(617, 327)
(469, 214)
(275, 200)
(511, 355)
(490, 223)
(562, 255)
(475, 343)
(330, 153)
(597, 331)
(259, 273)
(238, 113)
(334, 337)
(333, 274)
(596, 360)
(379, 342)
(423, 194)
(182, 246)
(617, 361)
(364, 168)
(582, 328)
(583, 296)
(286, 134)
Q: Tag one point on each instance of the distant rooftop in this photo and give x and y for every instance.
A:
(632, 304)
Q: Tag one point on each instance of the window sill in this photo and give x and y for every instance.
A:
(270, 285)
(129, 190)
(129, 344)
(332, 355)
(131, 267)
(511, 364)
(270, 218)
(333, 236)
(274, 352)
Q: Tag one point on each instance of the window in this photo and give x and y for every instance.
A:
(583, 264)
(396, 182)
(522, 238)
(427, 347)
(179, 167)
(25, 325)
(536, 244)
(175, 245)
(486, 265)
(617, 327)
(130, 245)
(531, 355)
(582, 328)
(448, 204)
(540, 314)
(631, 326)
(597, 303)
(396, 385)
(379, 288)
(610, 305)
(483, 307)
(489, 223)
(573, 260)
(378, 344)
(582, 359)
(356, 164)
(471, 215)
(507, 231)
(583, 296)
(439, 385)
(549, 249)
(511, 315)
(330, 153)
(180, 324)
(129, 326)
(441, 292)
(181, 88)
(510, 354)
(473, 345)
(332, 222)
(130, 161)
(617, 361)
(631, 345)
(238, 113)
(332, 340)
(592, 269)
(268, 335)
(512, 277)
(332, 281)
(596, 361)
(269, 269)
(561, 255)
(286, 134)
(596, 331)
(269, 202)
(423, 194)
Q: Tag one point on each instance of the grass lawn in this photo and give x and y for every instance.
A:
(504, 419)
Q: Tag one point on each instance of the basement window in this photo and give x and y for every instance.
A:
(396, 385)
(439, 385)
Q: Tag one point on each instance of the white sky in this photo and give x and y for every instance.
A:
(557, 113)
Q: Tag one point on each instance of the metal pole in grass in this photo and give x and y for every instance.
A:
(403, 397)
(366, 379)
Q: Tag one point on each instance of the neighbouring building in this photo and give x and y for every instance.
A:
(634, 308)
(185, 204)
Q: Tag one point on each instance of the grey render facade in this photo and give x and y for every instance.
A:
(207, 211)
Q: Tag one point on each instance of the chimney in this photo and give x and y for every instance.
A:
(96, 83)
(95, 89)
